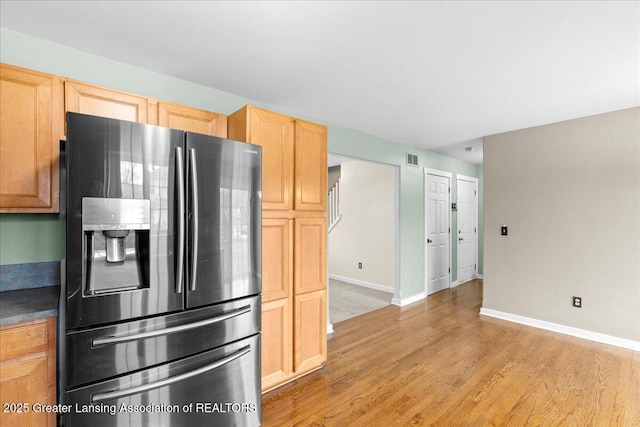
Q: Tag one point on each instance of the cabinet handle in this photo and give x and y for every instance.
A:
(194, 216)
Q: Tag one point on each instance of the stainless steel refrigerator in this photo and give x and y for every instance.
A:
(160, 310)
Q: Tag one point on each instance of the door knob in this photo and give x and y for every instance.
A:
(460, 239)
(429, 240)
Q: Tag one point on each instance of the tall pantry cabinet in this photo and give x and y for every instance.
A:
(294, 240)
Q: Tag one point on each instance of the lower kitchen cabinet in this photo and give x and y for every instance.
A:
(27, 373)
(294, 339)
(294, 298)
(277, 343)
(310, 331)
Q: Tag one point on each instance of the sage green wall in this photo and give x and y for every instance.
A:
(44, 242)
(31, 238)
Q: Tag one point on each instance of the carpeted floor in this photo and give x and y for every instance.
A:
(347, 300)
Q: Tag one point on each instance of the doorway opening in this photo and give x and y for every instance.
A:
(363, 247)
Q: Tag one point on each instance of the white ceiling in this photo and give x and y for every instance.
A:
(433, 75)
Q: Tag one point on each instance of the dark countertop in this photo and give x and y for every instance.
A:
(28, 304)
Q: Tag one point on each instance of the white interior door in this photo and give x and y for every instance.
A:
(437, 230)
(467, 227)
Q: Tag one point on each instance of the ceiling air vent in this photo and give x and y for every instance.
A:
(412, 159)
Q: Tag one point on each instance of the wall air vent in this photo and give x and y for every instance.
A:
(412, 159)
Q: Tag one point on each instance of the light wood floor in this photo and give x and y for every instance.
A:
(438, 362)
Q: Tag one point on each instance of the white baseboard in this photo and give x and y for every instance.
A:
(479, 276)
(406, 301)
(329, 328)
(422, 295)
(362, 283)
(563, 329)
(460, 282)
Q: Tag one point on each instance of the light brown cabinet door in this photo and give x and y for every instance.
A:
(24, 382)
(310, 255)
(98, 101)
(27, 372)
(23, 340)
(277, 265)
(30, 131)
(294, 156)
(310, 330)
(176, 116)
(275, 133)
(277, 343)
(311, 166)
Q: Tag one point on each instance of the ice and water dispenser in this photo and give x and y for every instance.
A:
(116, 244)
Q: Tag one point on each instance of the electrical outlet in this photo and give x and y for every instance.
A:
(360, 265)
(577, 302)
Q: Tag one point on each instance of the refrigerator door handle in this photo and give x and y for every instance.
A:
(117, 394)
(181, 219)
(194, 216)
(96, 342)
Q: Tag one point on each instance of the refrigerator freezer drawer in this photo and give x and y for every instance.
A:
(220, 387)
(115, 350)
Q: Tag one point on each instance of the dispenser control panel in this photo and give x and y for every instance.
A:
(115, 214)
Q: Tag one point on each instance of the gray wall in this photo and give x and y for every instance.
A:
(570, 194)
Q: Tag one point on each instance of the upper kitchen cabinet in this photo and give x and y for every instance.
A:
(97, 101)
(294, 158)
(275, 133)
(311, 166)
(31, 123)
(180, 117)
